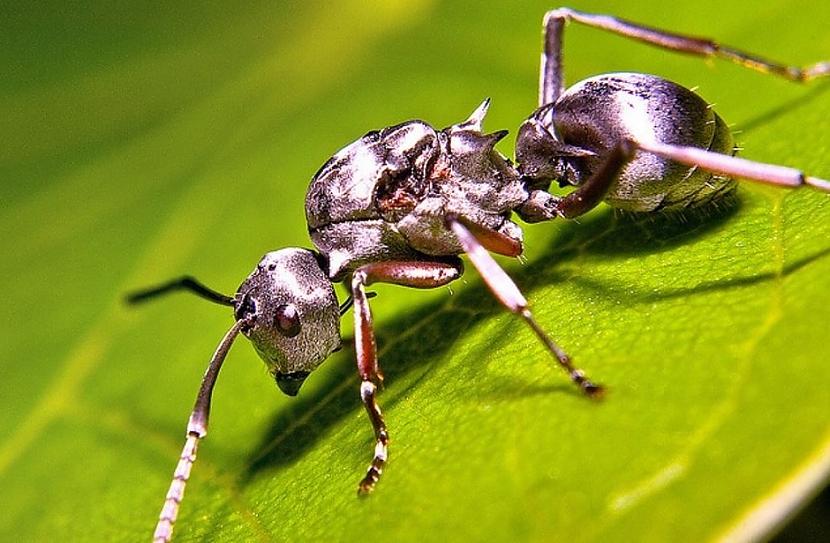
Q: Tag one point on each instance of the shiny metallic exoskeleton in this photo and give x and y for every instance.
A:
(294, 324)
(385, 197)
(594, 115)
(401, 204)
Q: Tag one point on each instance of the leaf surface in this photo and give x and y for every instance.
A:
(146, 144)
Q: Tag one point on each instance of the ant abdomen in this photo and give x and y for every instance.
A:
(598, 113)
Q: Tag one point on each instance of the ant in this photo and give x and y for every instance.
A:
(400, 204)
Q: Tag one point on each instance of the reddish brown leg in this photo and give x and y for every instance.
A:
(544, 206)
(552, 82)
(506, 291)
(491, 240)
(732, 166)
(409, 274)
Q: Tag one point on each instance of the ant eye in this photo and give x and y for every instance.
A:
(287, 320)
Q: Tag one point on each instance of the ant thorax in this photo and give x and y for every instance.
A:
(387, 195)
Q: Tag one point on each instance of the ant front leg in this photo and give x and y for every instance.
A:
(409, 274)
(552, 82)
(506, 292)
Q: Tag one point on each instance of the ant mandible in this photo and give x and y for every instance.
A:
(400, 204)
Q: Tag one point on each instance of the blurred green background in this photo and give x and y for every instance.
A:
(141, 141)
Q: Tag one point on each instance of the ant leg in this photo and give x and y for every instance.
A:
(732, 166)
(196, 430)
(506, 292)
(552, 83)
(544, 206)
(181, 283)
(551, 72)
(409, 274)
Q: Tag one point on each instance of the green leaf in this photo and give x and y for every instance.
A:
(145, 142)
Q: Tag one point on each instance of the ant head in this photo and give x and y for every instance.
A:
(293, 313)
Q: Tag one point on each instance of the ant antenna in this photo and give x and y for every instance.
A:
(182, 283)
(196, 430)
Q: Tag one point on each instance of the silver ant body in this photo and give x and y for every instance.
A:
(401, 204)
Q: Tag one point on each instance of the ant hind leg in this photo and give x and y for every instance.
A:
(552, 81)
(506, 292)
